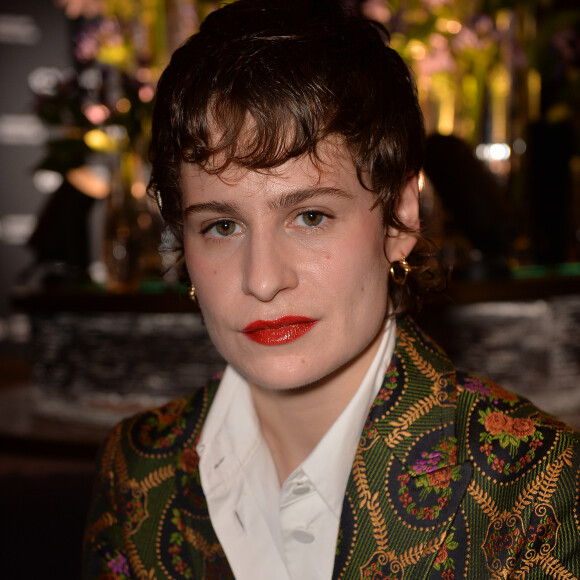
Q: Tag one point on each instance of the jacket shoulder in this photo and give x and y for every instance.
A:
(506, 436)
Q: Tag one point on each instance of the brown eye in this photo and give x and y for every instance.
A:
(225, 228)
(312, 218)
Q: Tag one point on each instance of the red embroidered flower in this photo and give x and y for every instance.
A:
(441, 555)
(188, 460)
(440, 478)
(486, 448)
(496, 423)
(522, 427)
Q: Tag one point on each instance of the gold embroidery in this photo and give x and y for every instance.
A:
(156, 478)
(401, 424)
(416, 553)
(378, 522)
(200, 543)
(422, 365)
(106, 520)
(360, 479)
(133, 556)
(554, 567)
(548, 563)
(483, 500)
(552, 474)
(526, 496)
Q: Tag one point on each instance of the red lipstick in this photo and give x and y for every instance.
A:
(279, 331)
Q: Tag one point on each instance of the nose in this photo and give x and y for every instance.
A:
(268, 266)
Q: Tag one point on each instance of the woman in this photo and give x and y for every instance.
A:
(287, 144)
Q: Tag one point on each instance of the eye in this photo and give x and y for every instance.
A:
(221, 228)
(312, 218)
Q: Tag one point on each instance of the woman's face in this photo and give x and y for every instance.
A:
(289, 267)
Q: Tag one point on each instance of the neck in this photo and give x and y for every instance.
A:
(293, 421)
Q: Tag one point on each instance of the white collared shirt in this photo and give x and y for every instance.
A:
(267, 532)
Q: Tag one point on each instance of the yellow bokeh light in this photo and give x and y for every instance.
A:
(503, 20)
(97, 140)
(446, 25)
(417, 49)
(454, 27)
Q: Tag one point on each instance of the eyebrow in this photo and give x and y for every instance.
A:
(283, 201)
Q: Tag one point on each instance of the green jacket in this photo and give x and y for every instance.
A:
(453, 477)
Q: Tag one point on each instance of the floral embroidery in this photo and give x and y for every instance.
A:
(510, 433)
(163, 426)
(440, 478)
(522, 427)
(115, 567)
(175, 546)
(506, 538)
(377, 568)
(391, 377)
(444, 453)
(132, 503)
(390, 383)
(494, 393)
(436, 482)
(426, 488)
(427, 463)
(497, 423)
(443, 561)
(543, 528)
(189, 460)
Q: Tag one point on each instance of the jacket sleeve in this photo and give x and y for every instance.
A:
(103, 555)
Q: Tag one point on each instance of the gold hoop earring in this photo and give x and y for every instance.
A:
(192, 295)
(404, 266)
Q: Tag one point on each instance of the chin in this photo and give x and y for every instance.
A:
(286, 377)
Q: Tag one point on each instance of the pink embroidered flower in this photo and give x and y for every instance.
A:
(119, 565)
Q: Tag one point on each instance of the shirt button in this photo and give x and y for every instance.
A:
(303, 536)
(301, 489)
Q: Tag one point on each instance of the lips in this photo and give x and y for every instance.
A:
(280, 331)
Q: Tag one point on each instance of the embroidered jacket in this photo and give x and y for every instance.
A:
(454, 477)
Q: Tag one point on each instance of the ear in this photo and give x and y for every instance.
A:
(399, 243)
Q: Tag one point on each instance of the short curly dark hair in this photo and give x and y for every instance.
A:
(300, 71)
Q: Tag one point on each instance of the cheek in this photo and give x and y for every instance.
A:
(199, 267)
(354, 271)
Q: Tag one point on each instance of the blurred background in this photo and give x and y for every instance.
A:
(94, 323)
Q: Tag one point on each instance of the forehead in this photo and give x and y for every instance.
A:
(332, 166)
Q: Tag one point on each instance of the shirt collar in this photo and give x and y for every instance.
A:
(336, 450)
(232, 431)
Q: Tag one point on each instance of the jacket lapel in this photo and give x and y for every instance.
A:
(408, 478)
(187, 534)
